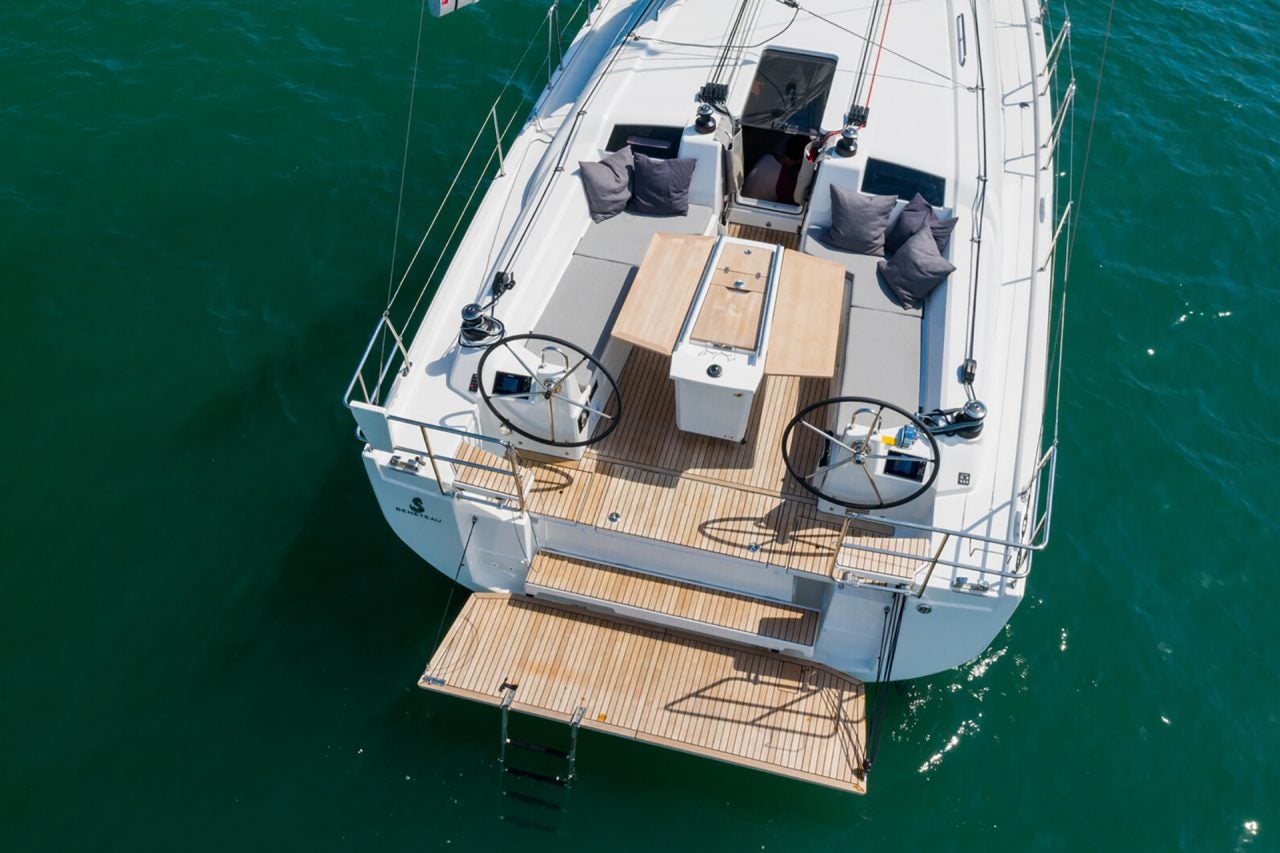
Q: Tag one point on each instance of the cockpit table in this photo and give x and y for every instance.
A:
(728, 311)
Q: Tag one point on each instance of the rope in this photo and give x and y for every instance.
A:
(876, 69)
(449, 602)
(864, 60)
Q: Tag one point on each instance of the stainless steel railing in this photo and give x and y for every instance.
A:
(1010, 550)
(434, 458)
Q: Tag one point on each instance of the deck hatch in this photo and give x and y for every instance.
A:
(885, 178)
(789, 92)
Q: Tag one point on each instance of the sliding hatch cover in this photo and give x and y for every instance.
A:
(789, 92)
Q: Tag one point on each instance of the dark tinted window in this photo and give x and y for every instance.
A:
(883, 178)
(661, 142)
(789, 92)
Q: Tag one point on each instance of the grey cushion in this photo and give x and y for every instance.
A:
(916, 269)
(625, 238)
(869, 288)
(858, 220)
(662, 186)
(585, 302)
(941, 230)
(913, 217)
(608, 183)
(882, 358)
(916, 215)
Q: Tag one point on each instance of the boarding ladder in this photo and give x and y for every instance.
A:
(566, 759)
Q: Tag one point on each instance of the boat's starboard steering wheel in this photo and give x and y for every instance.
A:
(543, 388)
(869, 454)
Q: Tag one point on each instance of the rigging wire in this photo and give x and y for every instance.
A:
(901, 56)
(484, 126)
(462, 560)
(1088, 148)
(795, 13)
(404, 170)
(1079, 203)
(889, 635)
(577, 120)
(404, 159)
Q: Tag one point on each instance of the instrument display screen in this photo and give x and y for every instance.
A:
(511, 383)
(905, 466)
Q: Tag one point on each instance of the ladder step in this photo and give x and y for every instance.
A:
(537, 747)
(530, 799)
(535, 776)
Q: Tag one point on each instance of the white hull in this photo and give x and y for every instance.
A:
(982, 535)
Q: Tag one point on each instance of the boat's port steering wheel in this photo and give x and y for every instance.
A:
(543, 388)
(860, 453)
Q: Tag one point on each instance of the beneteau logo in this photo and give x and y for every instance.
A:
(418, 508)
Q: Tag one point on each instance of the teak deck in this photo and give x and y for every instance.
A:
(688, 489)
(656, 686)
(766, 620)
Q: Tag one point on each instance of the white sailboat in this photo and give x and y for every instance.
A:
(731, 395)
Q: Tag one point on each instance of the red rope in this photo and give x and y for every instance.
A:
(879, 50)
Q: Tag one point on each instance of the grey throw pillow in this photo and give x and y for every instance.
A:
(912, 218)
(916, 215)
(608, 183)
(941, 230)
(662, 186)
(916, 269)
(858, 220)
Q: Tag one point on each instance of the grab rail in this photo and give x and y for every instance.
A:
(508, 451)
(1038, 540)
(374, 397)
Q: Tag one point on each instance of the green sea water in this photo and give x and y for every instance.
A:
(209, 637)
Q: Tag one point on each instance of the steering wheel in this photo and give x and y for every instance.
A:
(893, 448)
(561, 374)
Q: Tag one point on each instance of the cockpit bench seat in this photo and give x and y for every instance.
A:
(883, 341)
(625, 238)
(591, 291)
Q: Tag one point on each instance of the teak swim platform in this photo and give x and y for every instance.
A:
(658, 687)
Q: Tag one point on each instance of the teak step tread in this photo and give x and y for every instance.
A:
(657, 686)
(765, 619)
